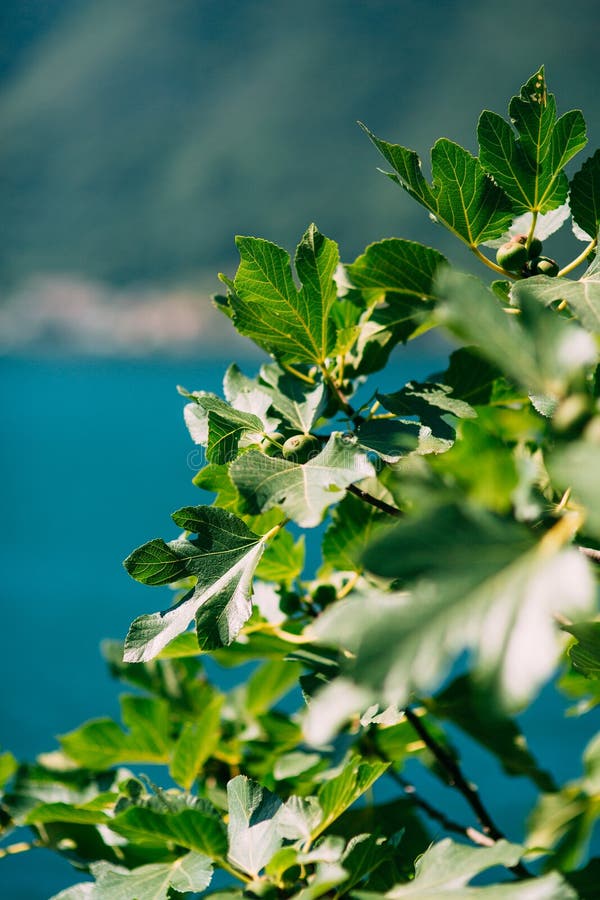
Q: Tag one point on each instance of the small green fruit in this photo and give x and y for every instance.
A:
(267, 446)
(535, 248)
(543, 265)
(512, 256)
(301, 447)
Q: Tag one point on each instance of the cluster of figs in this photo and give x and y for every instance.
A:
(516, 256)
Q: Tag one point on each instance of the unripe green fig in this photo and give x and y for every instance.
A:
(301, 447)
(512, 256)
(535, 248)
(267, 446)
(543, 265)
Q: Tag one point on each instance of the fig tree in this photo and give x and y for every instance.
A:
(301, 447)
(512, 256)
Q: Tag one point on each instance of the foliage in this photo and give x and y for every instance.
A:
(462, 537)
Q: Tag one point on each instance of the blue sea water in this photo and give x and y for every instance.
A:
(94, 457)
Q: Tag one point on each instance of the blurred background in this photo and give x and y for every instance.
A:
(137, 138)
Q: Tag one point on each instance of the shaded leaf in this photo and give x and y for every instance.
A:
(487, 587)
(576, 466)
(196, 743)
(537, 349)
(582, 296)
(268, 684)
(389, 438)
(446, 869)
(283, 559)
(299, 403)
(585, 653)
(191, 828)
(470, 376)
(226, 427)
(353, 526)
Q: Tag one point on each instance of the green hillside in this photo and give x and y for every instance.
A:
(138, 137)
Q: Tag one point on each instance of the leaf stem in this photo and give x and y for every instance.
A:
(297, 374)
(273, 531)
(223, 864)
(531, 233)
(349, 586)
(591, 553)
(491, 265)
(375, 501)
(272, 440)
(335, 389)
(458, 780)
(579, 259)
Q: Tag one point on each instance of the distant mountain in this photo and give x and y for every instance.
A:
(140, 136)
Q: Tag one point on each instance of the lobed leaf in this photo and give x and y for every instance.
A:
(293, 325)
(446, 868)
(478, 583)
(192, 872)
(582, 296)
(399, 269)
(529, 168)
(222, 558)
(462, 196)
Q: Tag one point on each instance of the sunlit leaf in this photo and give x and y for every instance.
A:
(529, 165)
(293, 325)
(252, 828)
(223, 558)
(462, 196)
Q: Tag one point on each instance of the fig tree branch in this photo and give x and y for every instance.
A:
(458, 780)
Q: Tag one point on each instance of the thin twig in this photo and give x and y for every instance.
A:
(22, 847)
(483, 840)
(375, 501)
(458, 780)
(591, 553)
